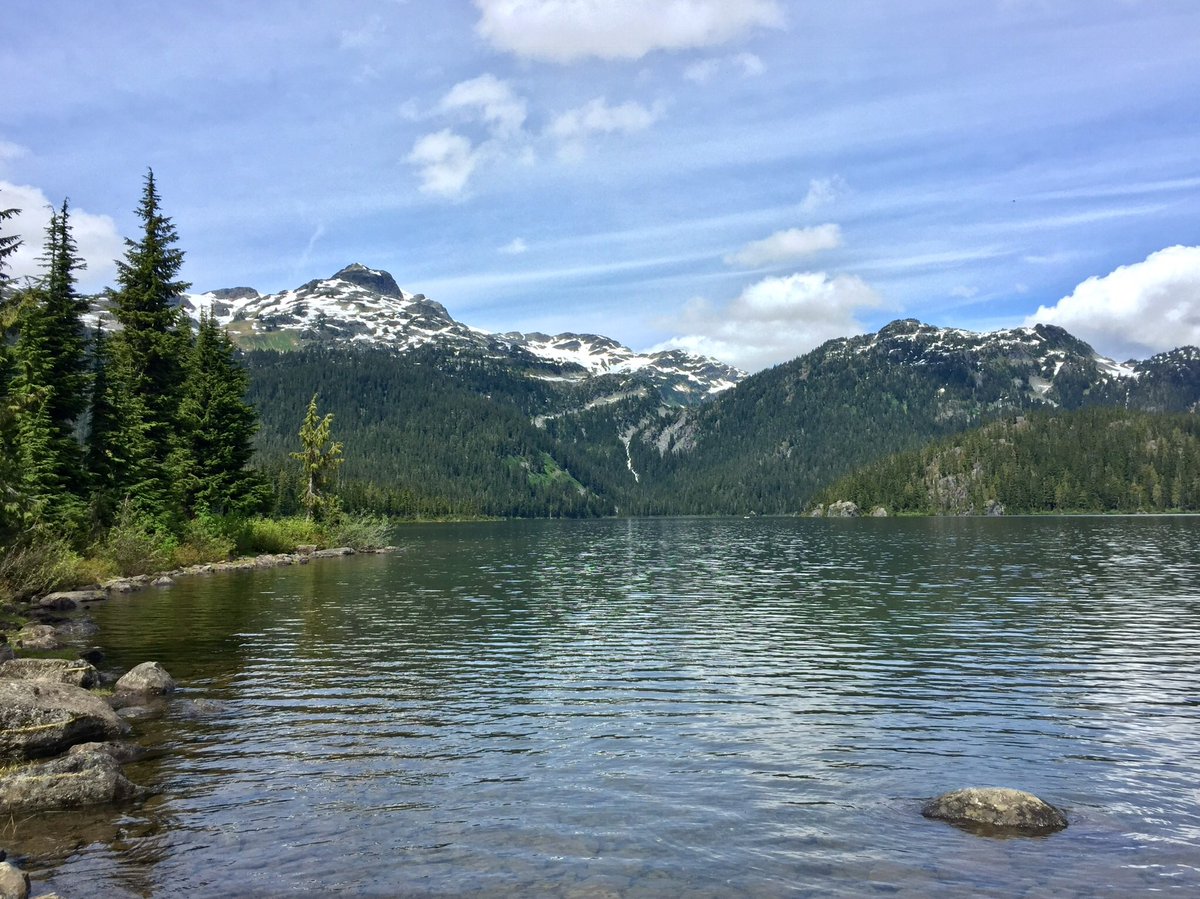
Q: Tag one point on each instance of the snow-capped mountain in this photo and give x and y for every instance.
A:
(364, 305)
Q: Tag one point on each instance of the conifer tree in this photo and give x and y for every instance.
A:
(219, 427)
(318, 462)
(148, 356)
(9, 243)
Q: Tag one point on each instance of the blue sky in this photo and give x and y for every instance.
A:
(744, 179)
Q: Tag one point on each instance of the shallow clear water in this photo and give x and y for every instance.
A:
(665, 708)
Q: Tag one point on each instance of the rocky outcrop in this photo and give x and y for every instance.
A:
(42, 718)
(76, 672)
(996, 808)
(72, 781)
(843, 509)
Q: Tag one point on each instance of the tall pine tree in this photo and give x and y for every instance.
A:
(9, 244)
(319, 458)
(219, 427)
(146, 378)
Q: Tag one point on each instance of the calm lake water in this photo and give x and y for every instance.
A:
(664, 708)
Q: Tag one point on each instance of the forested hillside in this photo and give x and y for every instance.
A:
(1093, 460)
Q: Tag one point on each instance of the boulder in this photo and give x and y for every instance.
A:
(121, 750)
(38, 637)
(14, 883)
(163, 581)
(148, 677)
(41, 718)
(78, 597)
(330, 553)
(843, 509)
(85, 778)
(996, 808)
(56, 602)
(879, 512)
(76, 672)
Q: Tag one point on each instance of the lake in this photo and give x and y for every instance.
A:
(681, 707)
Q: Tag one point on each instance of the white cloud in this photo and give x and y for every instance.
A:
(775, 319)
(1138, 309)
(445, 161)
(96, 237)
(747, 64)
(822, 192)
(492, 100)
(515, 247)
(573, 127)
(565, 31)
(787, 246)
(10, 151)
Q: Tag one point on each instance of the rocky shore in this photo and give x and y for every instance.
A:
(64, 732)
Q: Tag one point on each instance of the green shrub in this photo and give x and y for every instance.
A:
(37, 562)
(362, 531)
(275, 535)
(136, 545)
(206, 539)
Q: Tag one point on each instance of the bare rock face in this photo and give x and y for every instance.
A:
(76, 672)
(997, 808)
(72, 781)
(42, 718)
(148, 677)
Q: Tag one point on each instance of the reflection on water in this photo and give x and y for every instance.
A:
(666, 708)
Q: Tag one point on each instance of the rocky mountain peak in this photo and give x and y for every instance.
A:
(375, 280)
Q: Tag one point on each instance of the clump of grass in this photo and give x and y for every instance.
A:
(362, 531)
(275, 535)
(39, 561)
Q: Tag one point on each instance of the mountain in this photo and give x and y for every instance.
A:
(782, 434)
(1097, 459)
(364, 306)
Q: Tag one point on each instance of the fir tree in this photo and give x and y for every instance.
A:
(318, 462)
(146, 376)
(9, 243)
(219, 426)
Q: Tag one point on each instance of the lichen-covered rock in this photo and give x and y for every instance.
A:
(64, 671)
(79, 779)
(148, 677)
(14, 883)
(998, 808)
(41, 718)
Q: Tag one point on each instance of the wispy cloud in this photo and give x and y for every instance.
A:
(445, 161)
(491, 100)
(566, 31)
(573, 127)
(748, 65)
(787, 246)
(514, 247)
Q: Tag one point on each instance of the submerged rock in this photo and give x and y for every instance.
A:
(121, 750)
(148, 677)
(64, 671)
(41, 718)
(78, 779)
(998, 808)
(38, 637)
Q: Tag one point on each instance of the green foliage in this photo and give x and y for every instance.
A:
(37, 561)
(136, 544)
(319, 459)
(363, 531)
(206, 538)
(275, 535)
(1092, 460)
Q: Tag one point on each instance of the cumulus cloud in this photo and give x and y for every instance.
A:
(775, 319)
(96, 236)
(565, 31)
(514, 247)
(492, 100)
(787, 246)
(445, 161)
(573, 127)
(1138, 309)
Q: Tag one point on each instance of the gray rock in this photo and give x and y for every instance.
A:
(14, 883)
(6, 651)
(336, 551)
(121, 750)
(57, 602)
(843, 509)
(879, 512)
(148, 677)
(41, 718)
(996, 808)
(163, 581)
(38, 637)
(72, 781)
(141, 712)
(76, 628)
(76, 672)
(818, 511)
